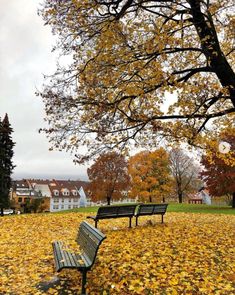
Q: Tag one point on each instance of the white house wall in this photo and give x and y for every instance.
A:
(60, 204)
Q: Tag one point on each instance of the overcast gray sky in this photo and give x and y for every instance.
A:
(25, 55)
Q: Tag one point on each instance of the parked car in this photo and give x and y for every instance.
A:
(8, 212)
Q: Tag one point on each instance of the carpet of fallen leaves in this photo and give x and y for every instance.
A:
(188, 254)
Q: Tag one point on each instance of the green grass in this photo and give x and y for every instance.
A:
(201, 208)
(174, 207)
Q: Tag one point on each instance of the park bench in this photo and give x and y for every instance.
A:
(89, 240)
(106, 212)
(150, 209)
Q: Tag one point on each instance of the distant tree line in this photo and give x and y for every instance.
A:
(159, 175)
(149, 176)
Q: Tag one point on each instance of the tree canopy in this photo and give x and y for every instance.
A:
(219, 174)
(127, 56)
(109, 177)
(150, 175)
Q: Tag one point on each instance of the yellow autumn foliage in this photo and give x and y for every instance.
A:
(126, 58)
(188, 254)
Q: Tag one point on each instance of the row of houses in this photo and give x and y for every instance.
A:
(48, 195)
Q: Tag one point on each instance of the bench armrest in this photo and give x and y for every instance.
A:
(91, 217)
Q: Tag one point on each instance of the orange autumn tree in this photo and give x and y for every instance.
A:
(150, 175)
(125, 57)
(109, 177)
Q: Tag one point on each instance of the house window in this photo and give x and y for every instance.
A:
(62, 200)
(75, 206)
(19, 200)
(56, 200)
(75, 200)
(56, 207)
(75, 193)
(56, 193)
(69, 200)
(69, 206)
(62, 206)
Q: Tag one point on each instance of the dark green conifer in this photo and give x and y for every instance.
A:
(6, 165)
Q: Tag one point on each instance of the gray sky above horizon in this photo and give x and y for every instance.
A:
(25, 55)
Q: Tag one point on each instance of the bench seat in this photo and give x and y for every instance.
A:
(66, 259)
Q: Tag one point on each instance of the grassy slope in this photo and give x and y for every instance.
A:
(198, 208)
(194, 208)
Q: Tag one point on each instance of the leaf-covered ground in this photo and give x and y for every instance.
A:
(188, 254)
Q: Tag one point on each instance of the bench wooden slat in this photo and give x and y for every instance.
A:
(126, 210)
(93, 232)
(57, 255)
(160, 209)
(145, 209)
(90, 251)
(66, 259)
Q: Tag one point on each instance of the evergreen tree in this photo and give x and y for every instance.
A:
(6, 165)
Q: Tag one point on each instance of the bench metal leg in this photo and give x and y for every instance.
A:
(83, 283)
(96, 223)
(130, 222)
(136, 221)
(162, 218)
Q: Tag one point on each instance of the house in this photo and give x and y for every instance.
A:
(56, 194)
(64, 196)
(201, 197)
(24, 198)
(204, 194)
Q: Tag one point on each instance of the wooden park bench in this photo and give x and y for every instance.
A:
(89, 240)
(150, 209)
(114, 212)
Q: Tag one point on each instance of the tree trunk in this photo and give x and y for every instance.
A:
(108, 201)
(211, 48)
(1, 212)
(180, 195)
(233, 200)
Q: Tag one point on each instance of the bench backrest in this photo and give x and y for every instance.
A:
(114, 211)
(160, 208)
(127, 210)
(89, 239)
(147, 209)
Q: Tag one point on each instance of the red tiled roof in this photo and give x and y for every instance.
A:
(58, 185)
